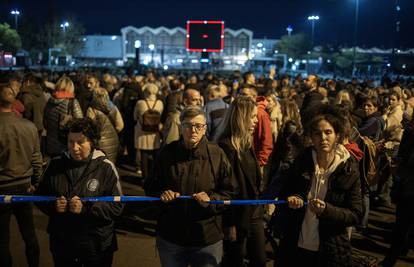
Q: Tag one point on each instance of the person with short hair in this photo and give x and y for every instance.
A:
(81, 233)
(20, 169)
(190, 230)
(192, 97)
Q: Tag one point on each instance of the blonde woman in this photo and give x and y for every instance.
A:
(290, 112)
(147, 128)
(60, 107)
(243, 225)
(275, 113)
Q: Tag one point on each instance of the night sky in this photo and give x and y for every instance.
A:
(265, 18)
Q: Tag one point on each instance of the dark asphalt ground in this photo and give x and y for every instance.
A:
(136, 234)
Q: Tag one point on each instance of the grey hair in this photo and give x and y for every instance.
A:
(191, 112)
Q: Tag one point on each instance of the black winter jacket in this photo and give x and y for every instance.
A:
(249, 181)
(204, 168)
(92, 231)
(343, 209)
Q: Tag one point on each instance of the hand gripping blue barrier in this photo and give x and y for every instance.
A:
(4, 199)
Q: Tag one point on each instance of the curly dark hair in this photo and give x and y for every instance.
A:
(87, 127)
(332, 115)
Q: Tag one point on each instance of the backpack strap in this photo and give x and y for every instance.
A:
(153, 107)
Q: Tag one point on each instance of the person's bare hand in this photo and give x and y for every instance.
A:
(295, 202)
(75, 205)
(61, 204)
(317, 206)
(168, 196)
(202, 198)
(31, 189)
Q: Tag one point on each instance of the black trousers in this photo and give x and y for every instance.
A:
(104, 260)
(24, 216)
(147, 162)
(250, 246)
(404, 222)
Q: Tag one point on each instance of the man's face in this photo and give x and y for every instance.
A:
(248, 92)
(91, 83)
(7, 95)
(251, 79)
(194, 99)
(310, 81)
(79, 145)
(193, 130)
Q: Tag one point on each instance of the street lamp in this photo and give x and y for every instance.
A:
(289, 29)
(313, 19)
(15, 13)
(64, 26)
(355, 37)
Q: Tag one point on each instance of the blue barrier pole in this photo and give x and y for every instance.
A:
(16, 199)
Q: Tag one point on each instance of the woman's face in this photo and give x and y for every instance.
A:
(79, 145)
(324, 137)
(393, 101)
(369, 108)
(270, 103)
(253, 121)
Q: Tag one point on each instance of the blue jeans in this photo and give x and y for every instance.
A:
(173, 255)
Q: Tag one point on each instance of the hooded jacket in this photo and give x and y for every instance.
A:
(343, 209)
(262, 137)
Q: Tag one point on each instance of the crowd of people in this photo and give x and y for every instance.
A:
(330, 148)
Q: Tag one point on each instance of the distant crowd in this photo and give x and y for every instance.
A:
(331, 148)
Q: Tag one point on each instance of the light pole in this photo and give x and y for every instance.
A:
(64, 26)
(313, 19)
(15, 13)
(289, 29)
(355, 37)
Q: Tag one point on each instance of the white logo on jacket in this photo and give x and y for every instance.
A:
(92, 185)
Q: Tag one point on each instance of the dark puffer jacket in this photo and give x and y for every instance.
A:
(343, 209)
(55, 109)
(99, 110)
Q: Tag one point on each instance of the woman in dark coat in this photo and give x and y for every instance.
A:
(61, 106)
(98, 111)
(327, 178)
(244, 224)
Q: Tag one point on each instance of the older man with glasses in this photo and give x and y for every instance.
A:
(190, 230)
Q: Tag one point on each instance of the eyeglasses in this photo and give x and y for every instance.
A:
(197, 126)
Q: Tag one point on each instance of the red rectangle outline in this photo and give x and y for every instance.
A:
(187, 43)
